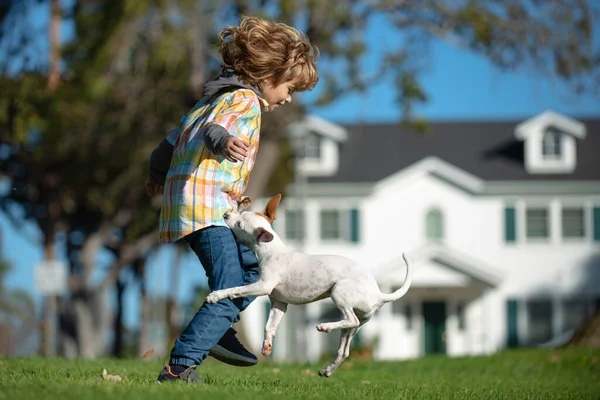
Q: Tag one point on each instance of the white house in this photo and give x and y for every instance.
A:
(501, 221)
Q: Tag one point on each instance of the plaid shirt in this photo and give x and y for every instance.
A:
(201, 186)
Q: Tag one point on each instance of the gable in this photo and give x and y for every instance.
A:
(439, 265)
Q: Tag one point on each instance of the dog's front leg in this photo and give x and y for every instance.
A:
(260, 288)
(276, 313)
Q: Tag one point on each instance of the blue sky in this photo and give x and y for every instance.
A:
(460, 85)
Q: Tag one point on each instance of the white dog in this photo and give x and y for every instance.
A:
(291, 277)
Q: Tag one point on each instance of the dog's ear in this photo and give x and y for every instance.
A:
(263, 235)
(244, 204)
(271, 209)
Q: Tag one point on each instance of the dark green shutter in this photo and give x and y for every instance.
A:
(597, 224)
(511, 323)
(510, 224)
(354, 226)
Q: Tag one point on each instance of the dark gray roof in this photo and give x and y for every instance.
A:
(488, 150)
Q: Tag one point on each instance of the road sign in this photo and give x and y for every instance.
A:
(51, 277)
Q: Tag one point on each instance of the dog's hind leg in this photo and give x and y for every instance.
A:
(343, 351)
(341, 294)
(350, 321)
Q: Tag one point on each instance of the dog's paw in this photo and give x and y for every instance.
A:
(213, 297)
(267, 349)
(323, 328)
(324, 373)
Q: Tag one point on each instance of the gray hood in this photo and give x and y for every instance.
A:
(228, 79)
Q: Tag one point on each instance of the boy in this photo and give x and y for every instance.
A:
(205, 164)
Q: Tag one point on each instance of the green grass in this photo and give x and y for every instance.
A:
(524, 374)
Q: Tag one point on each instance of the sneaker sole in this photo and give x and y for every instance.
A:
(228, 357)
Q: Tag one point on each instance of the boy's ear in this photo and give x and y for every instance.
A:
(263, 235)
(271, 209)
(244, 204)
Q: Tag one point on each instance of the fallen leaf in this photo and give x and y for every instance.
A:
(148, 354)
(275, 370)
(308, 372)
(110, 378)
(365, 382)
(554, 358)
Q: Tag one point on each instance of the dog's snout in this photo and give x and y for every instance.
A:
(226, 215)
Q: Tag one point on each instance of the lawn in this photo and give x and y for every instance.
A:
(524, 374)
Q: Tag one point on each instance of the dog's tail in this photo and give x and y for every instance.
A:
(386, 298)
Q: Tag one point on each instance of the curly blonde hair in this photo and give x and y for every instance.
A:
(259, 50)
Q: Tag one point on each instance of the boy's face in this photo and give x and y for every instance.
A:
(278, 95)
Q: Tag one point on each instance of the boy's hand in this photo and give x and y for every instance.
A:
(235, 149)
(152, 189)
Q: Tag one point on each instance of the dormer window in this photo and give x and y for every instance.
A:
(316, 145)
(312, 146)
(552, 143)
(549, 143)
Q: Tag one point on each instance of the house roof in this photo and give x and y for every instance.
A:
(450, 258)
(488, 150)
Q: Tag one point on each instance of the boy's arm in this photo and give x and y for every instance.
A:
(222, 137)
(215, 138)
(160, 159)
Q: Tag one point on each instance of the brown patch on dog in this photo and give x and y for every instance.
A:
(271, 209)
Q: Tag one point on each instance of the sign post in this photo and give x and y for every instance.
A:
(50, 278)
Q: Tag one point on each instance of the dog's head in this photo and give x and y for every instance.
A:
(253, 228)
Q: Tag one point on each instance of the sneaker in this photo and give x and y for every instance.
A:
(230, 351)
(189, 375)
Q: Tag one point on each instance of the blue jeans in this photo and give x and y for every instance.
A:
(227, 264)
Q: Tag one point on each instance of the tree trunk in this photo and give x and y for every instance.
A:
(118, 321)
(266, 162)
(145, 323)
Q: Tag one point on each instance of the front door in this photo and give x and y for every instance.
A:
(434, 316)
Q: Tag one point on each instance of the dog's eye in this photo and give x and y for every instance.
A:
(238, 224)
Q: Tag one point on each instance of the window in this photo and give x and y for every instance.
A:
(575, 311)
(460, 315)
(341, 225)
(539, 313)
(312, 146)
(294, 224)
(330, 224)
(537, 223)
(434, 225)
(573, 225)
(552, 143)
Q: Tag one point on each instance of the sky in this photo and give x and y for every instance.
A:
(460, 85)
